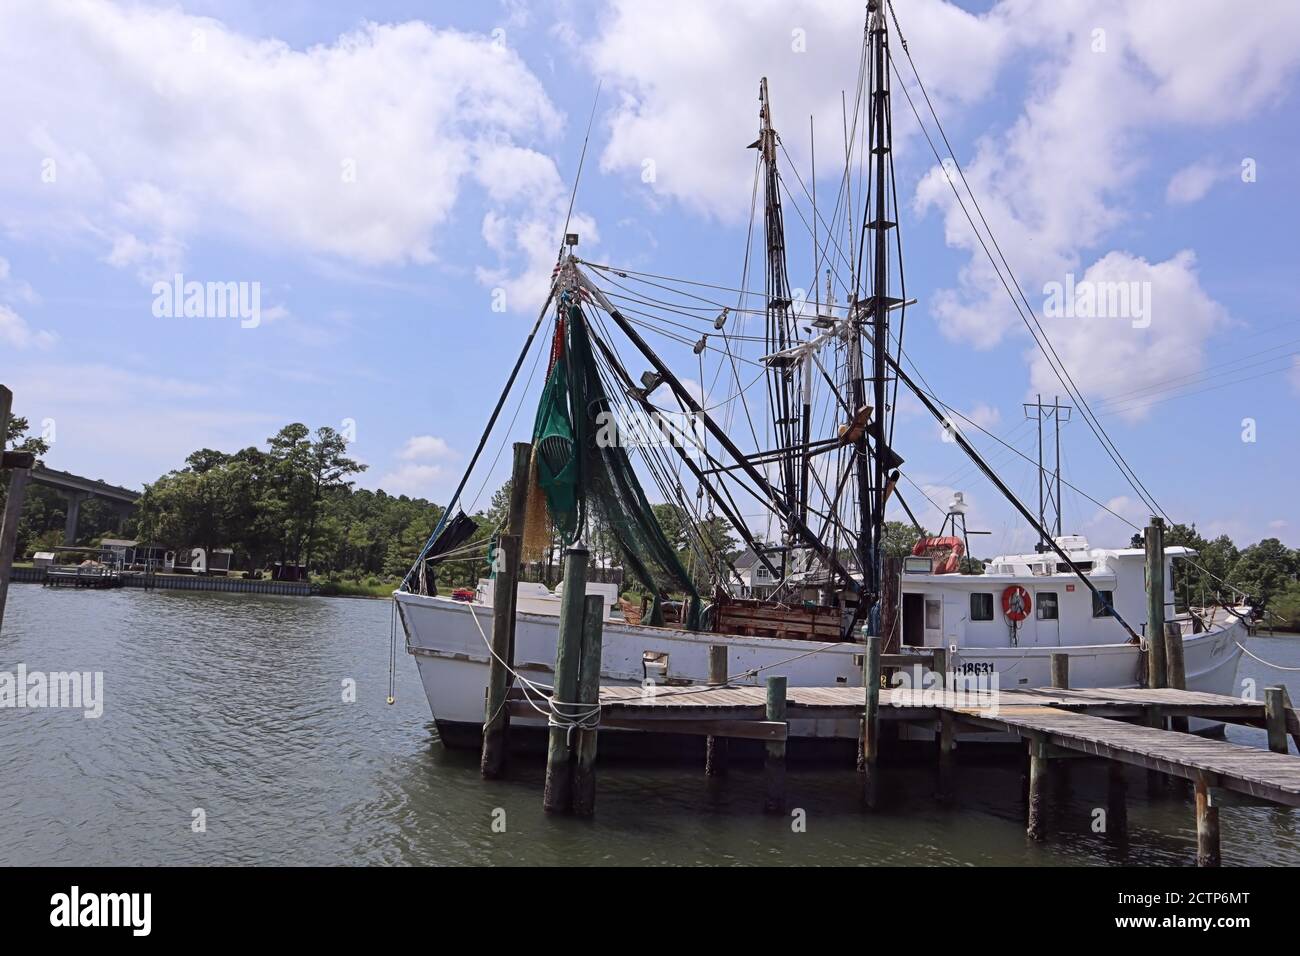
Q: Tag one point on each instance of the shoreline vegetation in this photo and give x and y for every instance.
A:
(295, 503)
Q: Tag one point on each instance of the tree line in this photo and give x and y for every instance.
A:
(295, 502)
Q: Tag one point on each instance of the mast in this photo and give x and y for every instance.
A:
(872, 468)
(781, 331)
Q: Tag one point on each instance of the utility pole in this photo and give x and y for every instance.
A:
(1049, 485)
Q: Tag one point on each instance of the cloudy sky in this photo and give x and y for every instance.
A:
(388, 171)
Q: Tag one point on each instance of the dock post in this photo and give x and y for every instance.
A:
(871, 721)
(774, 764)
(496, 726)
(1155, 634)
(945, 735)
(558, 794)
(497, 718)
(1038, 776)
(1175, 668)
(1116, 801)
(1275, 717)
(19, 474)
(1207, 825)
(584, 769)
(715, 755)
(1060, 670)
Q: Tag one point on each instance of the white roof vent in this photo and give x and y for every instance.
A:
(1072, 542)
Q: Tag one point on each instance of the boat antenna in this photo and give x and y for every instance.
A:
(582, 159)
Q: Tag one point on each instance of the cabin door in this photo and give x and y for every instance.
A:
(1047, 623)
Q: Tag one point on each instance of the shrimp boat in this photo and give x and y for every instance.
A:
(791, 415)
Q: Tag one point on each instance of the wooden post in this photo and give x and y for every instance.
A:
(1038, 778)
(1116, 801)
(515, 518)
(1175, 668)
(1155, 545)
(13, 511)
(1286, 711)
(774, 764)
(558, 794)
(496, 718)
(1275, 716)
(1207, 825)
(871, 721)
(584, 769)
(939, 666)
(715, 757)
(1060, 670)
(505, 601)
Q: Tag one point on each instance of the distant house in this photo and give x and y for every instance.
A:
(125, 553)
(755, 580)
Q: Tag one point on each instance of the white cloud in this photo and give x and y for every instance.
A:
(426, 447)
(172, 124)
(686, 75)
(1059, 179)
(417, 481)
(1191, 183)
(15, 331)
(1108, 356)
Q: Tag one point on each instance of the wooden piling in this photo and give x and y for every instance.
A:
(558, 794)
(871, 721)
(1275, 718)
(715, 755)
(1155, 633)
(1060, 670)
(774, 764)
(945, 737)
(584, 767)
(20, 464)
(1039, 773)
(1116, 801)
(1175, 668)
(497, 718)
(505, 601)
(1207, 825)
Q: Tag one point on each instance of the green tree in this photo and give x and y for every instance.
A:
(1264, 570)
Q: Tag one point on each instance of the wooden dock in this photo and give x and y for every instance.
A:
(1122, 726)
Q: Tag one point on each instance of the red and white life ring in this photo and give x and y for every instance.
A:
(945, 553)
(1016, 603)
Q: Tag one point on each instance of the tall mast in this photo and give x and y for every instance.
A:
(781, 331)
(872, 469)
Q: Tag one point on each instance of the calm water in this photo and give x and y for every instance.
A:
(233, 704)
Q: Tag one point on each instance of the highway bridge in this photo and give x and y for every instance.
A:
(77, 489)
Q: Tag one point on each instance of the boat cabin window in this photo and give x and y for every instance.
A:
(933, 614)
(981, 607)
(1048, 609)
(1063, 568)
(1098, 608)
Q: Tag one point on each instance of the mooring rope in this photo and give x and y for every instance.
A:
(392, 655)
(586, 719)
(1278, 667)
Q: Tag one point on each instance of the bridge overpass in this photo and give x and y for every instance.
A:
(77, 489)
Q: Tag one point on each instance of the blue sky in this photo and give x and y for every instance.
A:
(214, 139)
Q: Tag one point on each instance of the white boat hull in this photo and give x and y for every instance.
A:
(449, 640)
